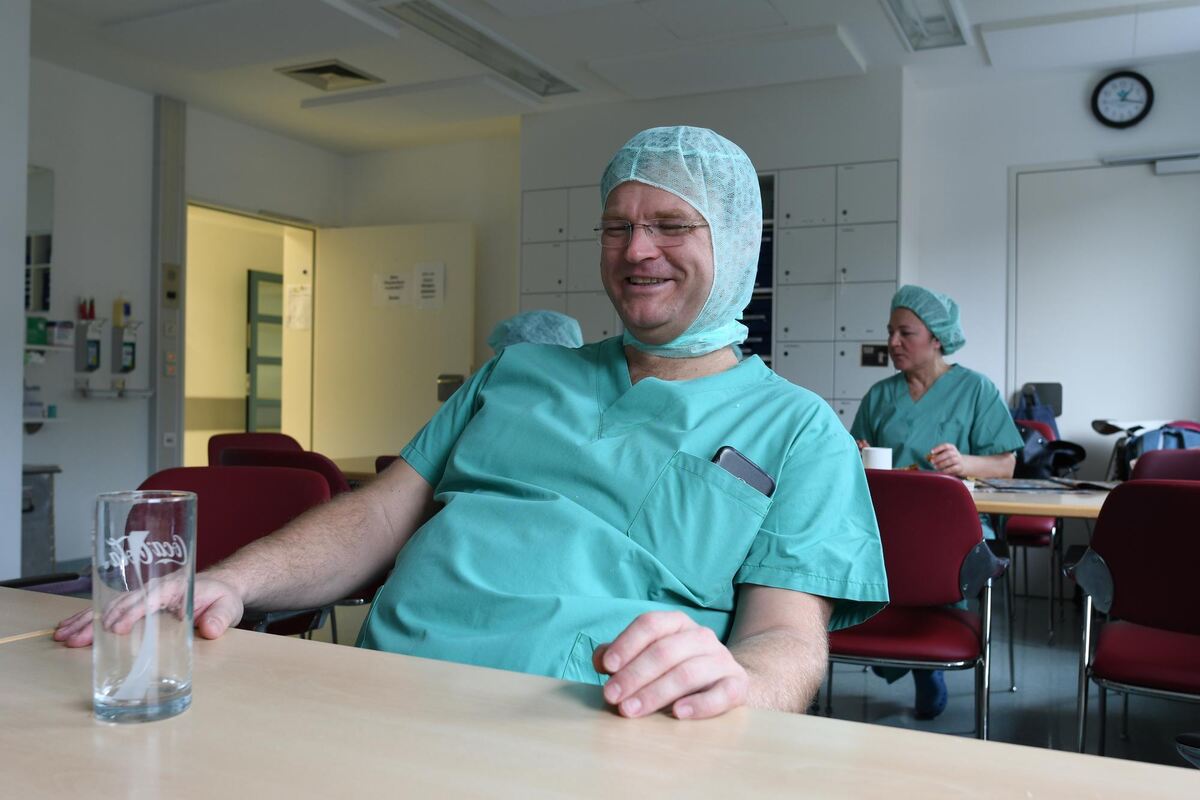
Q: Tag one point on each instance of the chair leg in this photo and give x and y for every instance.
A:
(1025, 569)
(829, 691)
(1050, 581)
(1125, 718)
(983, 671)
(333, 624)
(1012, 633)
(1102, 712)
(1084, 656)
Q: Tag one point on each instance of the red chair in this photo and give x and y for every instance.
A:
(1140, 571)
(935, 555)
(293, 459)
(1182, 465)
(1022, 531)
(235, 506)
(259, 441)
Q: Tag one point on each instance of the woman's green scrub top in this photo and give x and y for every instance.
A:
(962, 407)
(574, 501)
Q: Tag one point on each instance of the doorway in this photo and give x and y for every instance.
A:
(248, 305)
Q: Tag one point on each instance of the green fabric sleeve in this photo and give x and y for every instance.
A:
(430, 449)
(820, 535)
(993, 431)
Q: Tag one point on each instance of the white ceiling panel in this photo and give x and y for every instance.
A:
(808, 55)
(691, 20)
(1167, 31)
(523, 9)
(226, 35)
(1060, 42)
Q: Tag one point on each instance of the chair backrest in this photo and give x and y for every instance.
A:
(236, 505)
(928, 525)
(383, 462)
(1182, 465)
(1146, 534)
(301, 459)
(261, 441)
(1032, 424)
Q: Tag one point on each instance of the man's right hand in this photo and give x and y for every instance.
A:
(217, 608)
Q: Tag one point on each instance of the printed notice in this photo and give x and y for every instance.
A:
(430, 279)
(298, 310)
(391, 289)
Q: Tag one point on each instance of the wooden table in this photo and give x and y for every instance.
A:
(358, 469)
(281, 717)
(26, 612)
(1077, 505)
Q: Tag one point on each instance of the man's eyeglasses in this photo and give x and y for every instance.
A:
(663, 232)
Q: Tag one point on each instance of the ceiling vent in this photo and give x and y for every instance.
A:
(926, 24)
(466, 37)
(330, 76)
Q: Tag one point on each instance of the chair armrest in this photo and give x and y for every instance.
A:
(1071, 558)
(259, 620)
(979, 567)
(1093, 577)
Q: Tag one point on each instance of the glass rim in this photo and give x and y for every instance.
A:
(145, 496)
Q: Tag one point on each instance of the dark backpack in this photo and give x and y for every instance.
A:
(1040, 458)
(1030, 407)
(1168, 437)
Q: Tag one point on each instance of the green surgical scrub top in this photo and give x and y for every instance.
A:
(574, 501)
(962, 407)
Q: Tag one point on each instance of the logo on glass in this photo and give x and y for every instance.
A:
(134, 548)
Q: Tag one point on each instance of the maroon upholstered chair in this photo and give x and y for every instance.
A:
(235, 506)
(259, 441)
(383, 462)
(1023, 531)
(293, 459)
(935, 555)
(1141, 570)
(1181, 465)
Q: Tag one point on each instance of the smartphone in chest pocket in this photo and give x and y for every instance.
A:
(736, 464)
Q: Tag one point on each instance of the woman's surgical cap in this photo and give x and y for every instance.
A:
(540, 327)
(937, 311)
(713, 175)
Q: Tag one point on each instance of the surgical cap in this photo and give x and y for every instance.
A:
(713, 175)
(937, 311)
(541, 327)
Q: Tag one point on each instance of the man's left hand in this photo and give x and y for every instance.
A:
(665, 659)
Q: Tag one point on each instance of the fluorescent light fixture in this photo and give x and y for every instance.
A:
(454, 31)
(925, 24)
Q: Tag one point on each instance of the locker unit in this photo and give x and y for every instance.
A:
(807, 197)
(807, 364)
(583, 267)
(544, 216)
(867, 252)
(846, 409)
(544, 302)
(868, 192)
(855, 371)
(804, 313)
(863, 310)
(595, 313)
(806, 255)
(543, 267)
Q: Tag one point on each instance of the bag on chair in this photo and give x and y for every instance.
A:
(1031, 408)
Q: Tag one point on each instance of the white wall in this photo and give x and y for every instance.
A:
(963, 141)
(96, 137)
(14, 143)
(238, 166)
(475, 182)
(793, 125)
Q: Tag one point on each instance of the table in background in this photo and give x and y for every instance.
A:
(357, 469)
(24, 612)
(1073, 504)
(280, 717)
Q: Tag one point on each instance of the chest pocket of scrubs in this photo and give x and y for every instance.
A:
(699, 522)
(952, 431)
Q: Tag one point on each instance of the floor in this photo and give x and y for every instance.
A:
(1041, 712)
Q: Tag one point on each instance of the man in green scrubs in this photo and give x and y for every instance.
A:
(562, 514)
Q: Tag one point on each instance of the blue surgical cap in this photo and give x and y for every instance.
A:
(540, 327)
(713, 175)
(937, 311)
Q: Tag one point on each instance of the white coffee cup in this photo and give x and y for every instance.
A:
(877, 457)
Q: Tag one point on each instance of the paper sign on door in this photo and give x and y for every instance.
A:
(430, 280)
(391, 289)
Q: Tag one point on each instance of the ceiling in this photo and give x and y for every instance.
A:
(223, 55)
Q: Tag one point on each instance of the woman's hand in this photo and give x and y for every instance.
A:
(862, 444)
(946, 459)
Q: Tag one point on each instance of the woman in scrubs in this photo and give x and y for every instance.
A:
(935, 416)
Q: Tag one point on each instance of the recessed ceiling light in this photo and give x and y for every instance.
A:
(925, 24)
(454, 31)
(330, 76)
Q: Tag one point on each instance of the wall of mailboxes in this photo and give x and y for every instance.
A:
(827, 271)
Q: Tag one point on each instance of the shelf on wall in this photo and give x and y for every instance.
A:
(49, 348)
(34, 424)
(114, 394)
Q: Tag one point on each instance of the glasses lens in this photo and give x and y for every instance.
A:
(613, 233)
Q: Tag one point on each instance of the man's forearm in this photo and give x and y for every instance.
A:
(332, 550)
(786, 667)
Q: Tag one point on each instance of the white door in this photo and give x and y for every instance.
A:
(867, 252)
(377, 357)
(863, 310)
(1107, 289)
(804, 313)
(867, 192)
(807, 197)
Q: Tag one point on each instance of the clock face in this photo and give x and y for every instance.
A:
(1122, 99)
